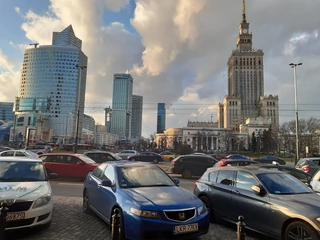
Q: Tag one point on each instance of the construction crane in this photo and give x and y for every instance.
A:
(34, 44)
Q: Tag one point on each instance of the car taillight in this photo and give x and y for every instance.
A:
(223, 163)
(173, 162)
(305, 168)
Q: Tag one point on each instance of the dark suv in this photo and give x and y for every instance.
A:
(192, 165)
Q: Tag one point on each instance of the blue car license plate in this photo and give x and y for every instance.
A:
(185, 228)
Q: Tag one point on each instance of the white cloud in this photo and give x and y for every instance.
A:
(180, 53)
(5, 63)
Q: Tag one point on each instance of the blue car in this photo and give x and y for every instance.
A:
(152, 205)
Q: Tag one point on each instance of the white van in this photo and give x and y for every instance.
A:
(25, 189)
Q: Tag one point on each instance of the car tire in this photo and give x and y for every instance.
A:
(85, 203)
(186, 173)
(133, 159)
(300, 227)
(207, 203)
(122, 229)
(155, 161)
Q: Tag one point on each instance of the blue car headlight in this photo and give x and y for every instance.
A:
(144, 213)
(43, 200)
(201, 210)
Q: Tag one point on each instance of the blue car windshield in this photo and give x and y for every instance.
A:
(282, 183)
(21, 171)
(144, 176)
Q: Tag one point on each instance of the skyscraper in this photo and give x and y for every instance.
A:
(122, 105)
(136, 121)
(245, 83)
(161, 118)
(51, 85)
(6, 111)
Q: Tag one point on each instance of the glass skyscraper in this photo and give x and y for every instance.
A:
(121, 105)
(136, 118)
(161, 118)
(6, 111)
(52, 85)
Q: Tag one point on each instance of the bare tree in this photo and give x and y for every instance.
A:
(226, 138)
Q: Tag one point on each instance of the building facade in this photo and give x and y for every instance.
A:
(136, 119)
(161, 117)
(171, 138)
(89, 123)
(6, 111)
(245, 83)
(122, 106)
(52, 85)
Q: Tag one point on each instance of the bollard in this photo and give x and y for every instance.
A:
(3, 216)
(241, 228)
(115, 226)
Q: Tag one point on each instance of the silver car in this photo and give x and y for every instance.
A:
(127, 153)
(18, 153)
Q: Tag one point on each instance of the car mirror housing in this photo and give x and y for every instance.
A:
(106, 183)
(258, 189)
(176, 181)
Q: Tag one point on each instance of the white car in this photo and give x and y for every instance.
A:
(127, 153)
(19, 153)
(315, 182)
(25, 188)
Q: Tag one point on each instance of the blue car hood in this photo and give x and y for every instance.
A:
(159, 197)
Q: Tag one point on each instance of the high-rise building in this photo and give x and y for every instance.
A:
(161, 117)
(52, 85)
(121, 105)
(245, 83)
(107, 118)
(136, 119)
(6, 111)
(89, 123)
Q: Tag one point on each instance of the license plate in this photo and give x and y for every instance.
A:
(185, 228)
(15, 216)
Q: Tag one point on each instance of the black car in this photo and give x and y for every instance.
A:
(270, 160)
(272, 202)
(234, 162)
(301, 175)
(102, 156)
(192, 165)
(146, 157)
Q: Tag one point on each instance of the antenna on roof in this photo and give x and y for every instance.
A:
(34, 44)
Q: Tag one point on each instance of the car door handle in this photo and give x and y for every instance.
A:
(235, 192)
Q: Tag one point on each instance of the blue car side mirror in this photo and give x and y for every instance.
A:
(176, 181)
(106, 183)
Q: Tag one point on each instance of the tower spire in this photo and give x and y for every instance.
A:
(244, 20)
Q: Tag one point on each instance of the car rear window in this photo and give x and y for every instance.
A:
(302, 162)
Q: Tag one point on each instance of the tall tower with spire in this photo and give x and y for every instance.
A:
(245, 80)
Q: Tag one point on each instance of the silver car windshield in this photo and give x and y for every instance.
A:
(282, 183)
(21, 171)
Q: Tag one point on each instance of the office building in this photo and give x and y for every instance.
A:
(121, 106)
(88, 123)
(161, 117)
(136, 118)
(6, 111)
(52, 85)
(245, 97)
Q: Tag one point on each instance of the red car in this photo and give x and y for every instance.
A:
(68, 164)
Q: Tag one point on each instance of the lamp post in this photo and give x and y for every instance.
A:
(294, 66)
(66, 133)
(80, 67)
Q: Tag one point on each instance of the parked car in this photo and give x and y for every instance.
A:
(301, 175)
(234, 162)
(19, 153)
(191, 165)
(270, 159)
(167, 156)
(236, 156)
(309, 165)
(127, 153)
(39, 149)
(273, 202)
(315, 182)
(25, 187)
(68, 164)
(146, 157)
(3, 148)
(151, 204)
(218, 156)
(102, 156)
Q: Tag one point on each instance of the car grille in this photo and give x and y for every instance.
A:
(20, 206)
(182, 215)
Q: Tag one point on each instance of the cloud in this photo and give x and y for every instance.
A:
(9, 82)
(5, 63)
(179, 52)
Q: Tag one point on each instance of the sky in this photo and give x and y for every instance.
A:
(176, 50)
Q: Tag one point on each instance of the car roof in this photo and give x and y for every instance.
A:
(20, 159)
(126, 163)
(255, 169)
(65, 154)
(96, 151)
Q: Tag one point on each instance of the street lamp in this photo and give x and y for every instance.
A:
(80, 67)
(294, 66)
(66, 133)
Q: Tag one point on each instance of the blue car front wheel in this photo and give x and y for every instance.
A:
(86, 203)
